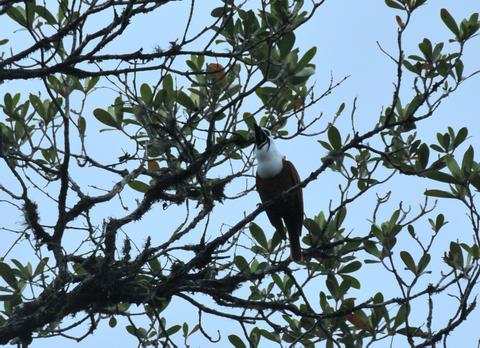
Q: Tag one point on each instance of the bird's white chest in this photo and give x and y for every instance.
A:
(270, 167)
(269, 161)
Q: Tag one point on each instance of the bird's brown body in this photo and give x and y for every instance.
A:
(289, 209)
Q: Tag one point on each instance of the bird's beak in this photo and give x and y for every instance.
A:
(259, 136)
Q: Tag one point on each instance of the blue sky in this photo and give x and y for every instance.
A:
(345, 33)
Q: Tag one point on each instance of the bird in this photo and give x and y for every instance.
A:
(274, 175)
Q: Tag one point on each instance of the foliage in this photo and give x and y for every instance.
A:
(178, 132)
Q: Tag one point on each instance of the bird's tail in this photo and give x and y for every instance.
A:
(294, 229)
(295, 250)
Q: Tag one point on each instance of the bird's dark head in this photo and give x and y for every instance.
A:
(262, 137)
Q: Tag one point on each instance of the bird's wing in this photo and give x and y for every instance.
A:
(266, 192)
(295, 179)
(294, 218)
(261, 187)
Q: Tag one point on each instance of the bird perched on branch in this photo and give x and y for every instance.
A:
(275, 175)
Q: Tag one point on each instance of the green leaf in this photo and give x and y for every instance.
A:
(18, 15)
(39, 107)
(241, 264)
(79, 270)
(131, 330)
(19, 130)
(277, 280)
(439, 193)
(185, 329)
(258, 234)
(56, 84)
(161, 96)
(334, 137)
(340, 217)
(423, 155)
(332, 285)
(475, 251)
(449, 21)
(460, 137)
(394, 4)
(218, 12)
(475, 181)
(92, 83)
(436, 148)
(442, 177)
(8, 101)
(456, 254)
(423, 263)
(285, 44)
(440, 222)
(302, 76)
(82, 125)
(353, 282)
(437, 50)
(412, 67)
(30, 12)
(174, 329)
(401, 316)
(266, 94)
(408, 261)
(155, 265)
(40, 267)
(307, 57)
(426, 48)
(104, 117)
(236, 341)
(443, 140)
(454, 168)
(141, 332)
(270, 336)
(168, 83)
(467, 161)
(371, 248)
(250, 23)
(394, 218)
(3, 42)
(146, 93)
(412, 331)
(249, 120)
(49, 154)
(139, 186)
(459, 69)
(325, 145)
(25, 271)
(231, 91)
(45, 14)
(9, 302)
(7, 274)
(275, 241)
(117, 110)
(351, 267)
(52, 108)
(340, 109)
(112, 322)
(184, 100)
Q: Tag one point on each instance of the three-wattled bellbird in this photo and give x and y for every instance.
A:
(275, 175)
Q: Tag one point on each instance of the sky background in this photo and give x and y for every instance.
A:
(345, 33)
